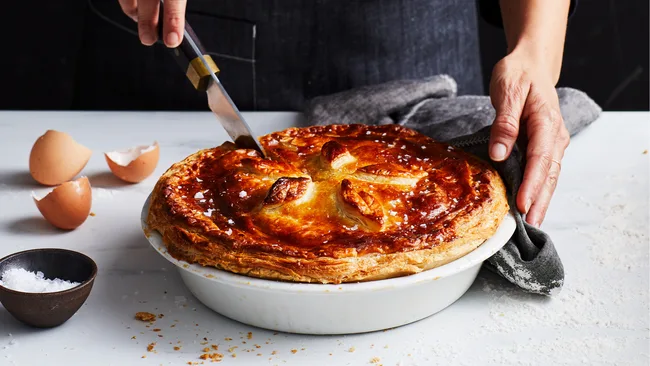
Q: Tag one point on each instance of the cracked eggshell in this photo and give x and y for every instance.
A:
(135, 164)
(56, 158)
(68, 205)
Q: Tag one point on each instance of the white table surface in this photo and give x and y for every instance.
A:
(598, 220)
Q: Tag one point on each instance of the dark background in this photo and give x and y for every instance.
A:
(45, 58)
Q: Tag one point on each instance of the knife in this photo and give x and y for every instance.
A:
(202, 72)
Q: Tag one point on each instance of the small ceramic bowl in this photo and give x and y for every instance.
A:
(49, 309)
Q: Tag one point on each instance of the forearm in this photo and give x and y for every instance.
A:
(537, 28)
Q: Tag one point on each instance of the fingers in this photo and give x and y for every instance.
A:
(173, 22)
(130, 8)
(543, 127)
(538, 210)
(508, 98)
(148, 21)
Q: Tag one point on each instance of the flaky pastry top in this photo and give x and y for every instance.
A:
(329, 191)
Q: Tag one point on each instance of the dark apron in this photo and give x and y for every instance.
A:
(275, 55)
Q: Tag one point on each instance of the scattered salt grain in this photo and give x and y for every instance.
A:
(229, 231)
(199, 180)
(231, 222)
(198, 195)
(242, 194)
(18, 279)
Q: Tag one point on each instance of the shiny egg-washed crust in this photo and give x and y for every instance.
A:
(329, 204)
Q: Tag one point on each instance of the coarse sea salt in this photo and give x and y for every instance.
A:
(19, 279)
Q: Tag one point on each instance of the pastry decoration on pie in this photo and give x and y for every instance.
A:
(328, 204)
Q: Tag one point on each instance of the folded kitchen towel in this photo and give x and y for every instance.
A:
(430, 106)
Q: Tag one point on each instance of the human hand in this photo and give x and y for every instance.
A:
(145, 13)
(528, 111)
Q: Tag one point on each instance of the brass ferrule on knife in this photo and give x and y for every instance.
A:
(199, 74)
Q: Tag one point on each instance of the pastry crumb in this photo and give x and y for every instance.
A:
(214, 357)
(177, 348)
(352, 349)
(150, 346)
(294, 351)
(274, 352)
(645, 152)
(145, 316)
(133, 337)
(375, 360)
(231, 349)
(144, 356)
(93, 214)
(157, 329)
(215, 347)
(228, 339)
(206, 349)
(250, 335)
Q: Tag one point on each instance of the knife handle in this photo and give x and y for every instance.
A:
(188, 56)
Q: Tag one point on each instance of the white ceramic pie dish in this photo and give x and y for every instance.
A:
(333, 309)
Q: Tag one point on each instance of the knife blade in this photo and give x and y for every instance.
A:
(202, 72)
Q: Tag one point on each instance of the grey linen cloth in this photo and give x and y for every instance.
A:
(430, 106)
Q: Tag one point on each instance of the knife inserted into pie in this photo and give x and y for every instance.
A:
(328, 204)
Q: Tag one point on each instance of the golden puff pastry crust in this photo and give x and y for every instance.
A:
(329, 204)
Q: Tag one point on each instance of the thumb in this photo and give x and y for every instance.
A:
(508, 99)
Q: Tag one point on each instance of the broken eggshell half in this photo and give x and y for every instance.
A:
(56, 158)
(135, 164)
(68, 205)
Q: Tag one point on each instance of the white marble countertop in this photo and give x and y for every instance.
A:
(598, 220)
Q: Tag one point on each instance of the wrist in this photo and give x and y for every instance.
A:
(538, 58)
